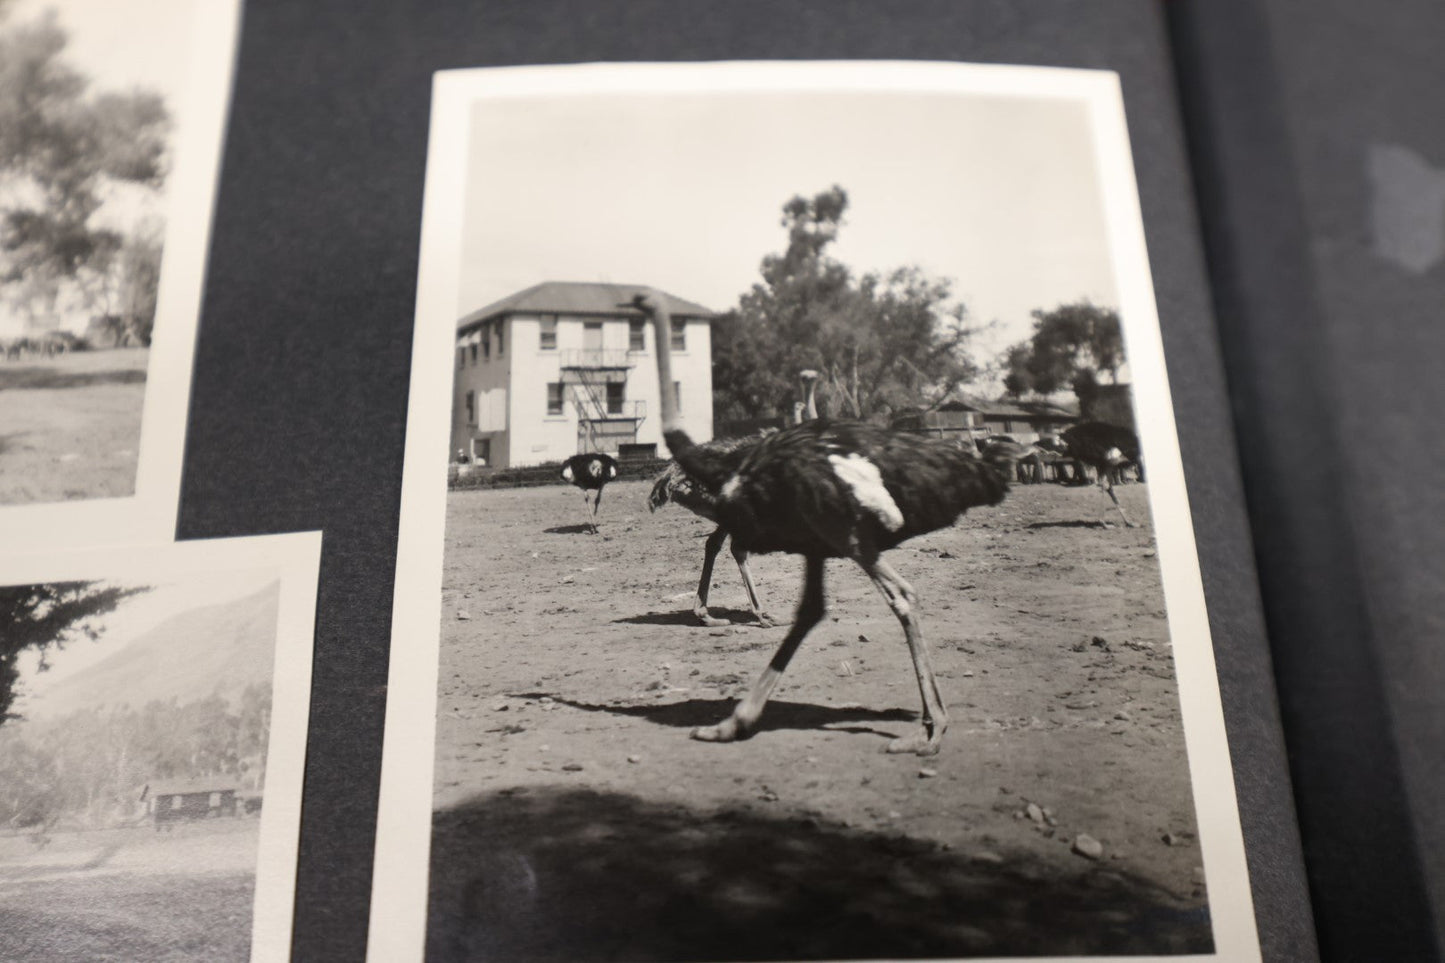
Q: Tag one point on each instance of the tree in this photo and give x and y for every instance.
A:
(881, 341)
(48, 616)
(1071, 346)
(61, 146)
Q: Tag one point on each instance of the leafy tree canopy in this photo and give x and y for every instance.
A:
(1071, 346)
(45, 616)
(61, 145)
(880, 341)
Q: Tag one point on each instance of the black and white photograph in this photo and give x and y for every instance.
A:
(886, 334)
(111, 120)
(153, 717)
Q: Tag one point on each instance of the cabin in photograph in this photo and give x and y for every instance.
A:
(959, 416)
(560, 369)
(1025, 421)
(171, 802)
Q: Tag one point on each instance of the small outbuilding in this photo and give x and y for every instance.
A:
(172, 802)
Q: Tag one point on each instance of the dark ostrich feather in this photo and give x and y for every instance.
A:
(589, 471)
(809, 489)
(677, 486)
(1093, 441)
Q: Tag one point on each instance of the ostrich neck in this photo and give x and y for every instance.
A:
(662, 328)
(812, 409)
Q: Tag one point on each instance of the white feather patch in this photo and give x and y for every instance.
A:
(1113, 456)
(864, 480)
(731, 486)
(567, 472)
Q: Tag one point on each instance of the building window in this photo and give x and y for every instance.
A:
(636, 336)
(471, 407)
(501, 329)
(461, 357)
(549, 332)
(474, 352)
(554, 398)
(615, 390)
(677, 395)
(679, 335)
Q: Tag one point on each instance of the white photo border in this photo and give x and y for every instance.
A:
(149, 513)
(296, 560)
(400, 882)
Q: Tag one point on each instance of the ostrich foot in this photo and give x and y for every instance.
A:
(711, 621)
(922, 743)
(729, 730)
(766, 621)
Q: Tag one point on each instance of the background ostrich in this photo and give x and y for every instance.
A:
(590, 472)
(1105, 448)
(833, 490)
(807, 409)
(674, 485)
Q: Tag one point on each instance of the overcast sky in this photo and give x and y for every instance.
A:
(122, 44)
(684, 192)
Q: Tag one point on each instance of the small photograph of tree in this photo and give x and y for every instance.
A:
(82, 169)
(84, 158)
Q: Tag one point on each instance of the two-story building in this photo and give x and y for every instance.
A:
(563, 368)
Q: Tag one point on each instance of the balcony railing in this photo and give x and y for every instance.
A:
(595, 358)
(589, 410)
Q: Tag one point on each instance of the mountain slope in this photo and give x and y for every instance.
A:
(217, 648)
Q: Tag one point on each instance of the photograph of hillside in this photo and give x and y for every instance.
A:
(133, 747)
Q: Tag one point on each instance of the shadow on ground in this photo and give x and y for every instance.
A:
(1078, 523)
(561, 874)
(743, 618)
(34, 376)
(578, 529)
(780, 714)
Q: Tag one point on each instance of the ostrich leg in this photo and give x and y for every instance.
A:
(587, 513)
(741, 557)
(704, 584)
(1109, 490)
(902, 600)
(745, 714)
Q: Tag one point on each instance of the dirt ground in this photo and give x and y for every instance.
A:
(70, 426)
(130, 894)
(575, 819)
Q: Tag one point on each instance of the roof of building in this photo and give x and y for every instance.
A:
(578, 297)
(1004, 408)
(192, 786)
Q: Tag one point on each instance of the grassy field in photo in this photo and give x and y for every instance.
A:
(70, 425)
(130, 894)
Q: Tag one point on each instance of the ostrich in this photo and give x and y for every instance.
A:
(1104, 448)
(590, 472)
(674, 485)
(827, 489)
(806, 410)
